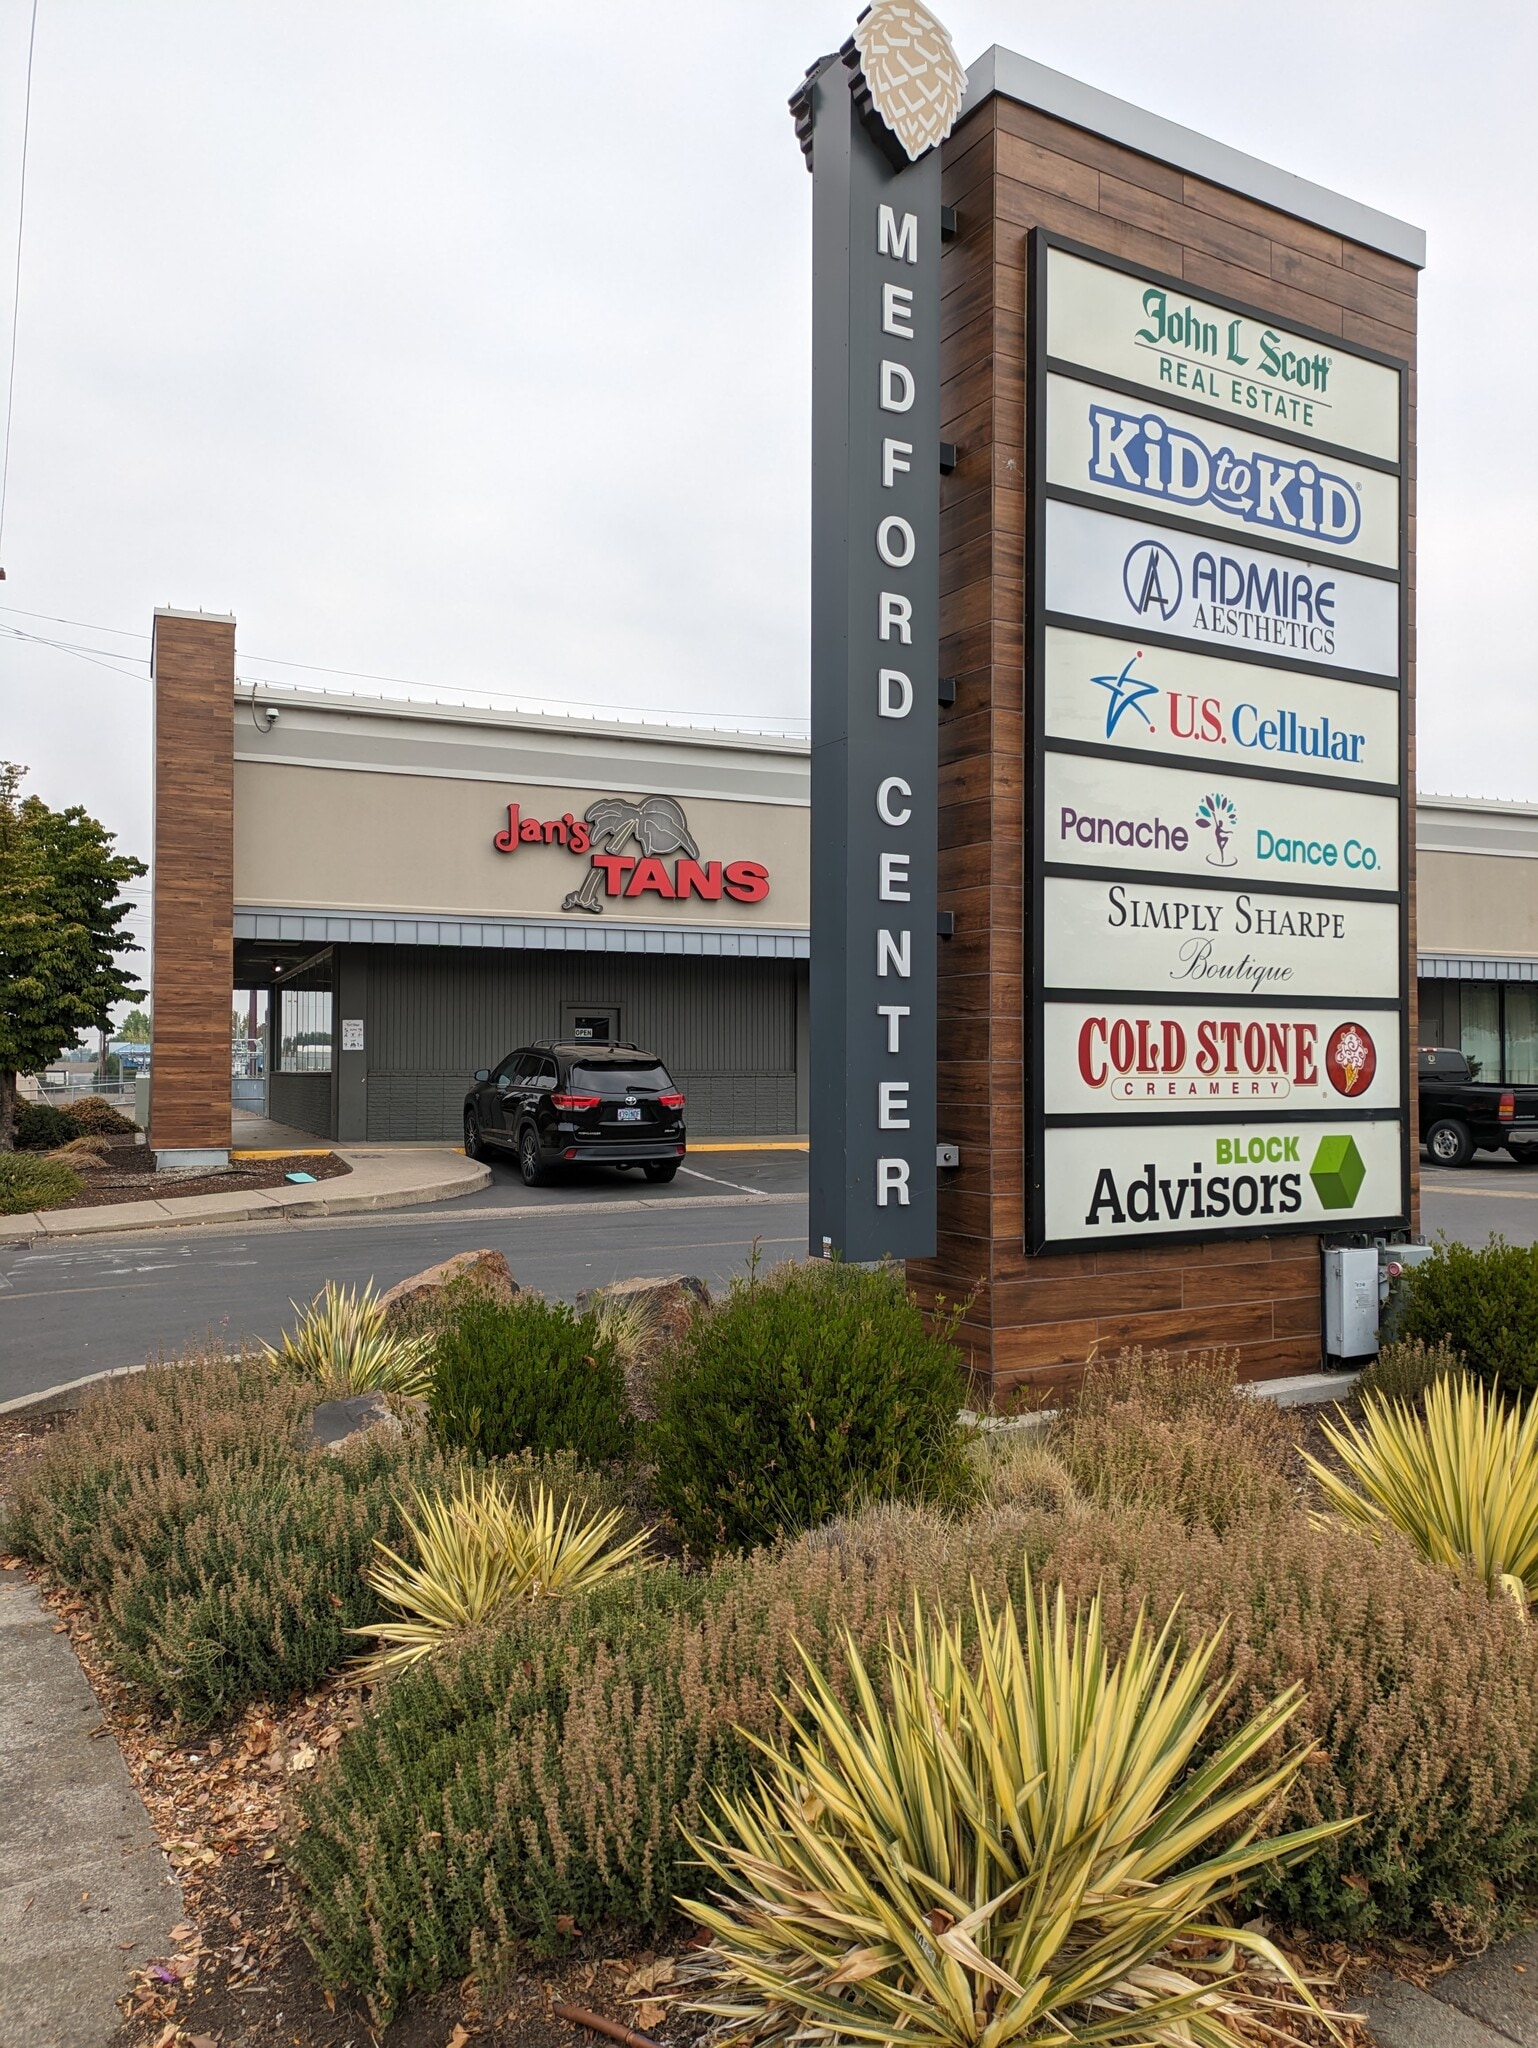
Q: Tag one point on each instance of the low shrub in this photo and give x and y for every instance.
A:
(1481, 1301)
(1403, 1372)
(534, 1782)
(1421, 1697)
(479, 1547)
(963, 1779)
(1460, 1480)
(40, 1126)
(96, 1115)
(528, 1375)
(343, 1344)
(224, 1556)
(1169, 1430)
(802, 1395)
(29, 1182)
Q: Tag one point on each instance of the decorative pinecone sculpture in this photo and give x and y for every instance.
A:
(911, 72)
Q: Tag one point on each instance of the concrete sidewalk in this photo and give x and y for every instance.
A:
(85, 1892)
(1491, 2002)
(381, 1178)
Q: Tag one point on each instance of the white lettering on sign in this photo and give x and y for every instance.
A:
(886, 794)
(894, 238)
(894, 952)
(894, 1014)
(895, 542)
(896, 616)
(895, 699)
(894, 875)
(891, 1182)
(897, 388)
(891, 1102)
(893, 463)
(897, 311)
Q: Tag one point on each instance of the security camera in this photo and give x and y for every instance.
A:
(270, 713)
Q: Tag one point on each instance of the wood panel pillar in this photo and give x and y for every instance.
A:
(193, 663)
(1008, 168)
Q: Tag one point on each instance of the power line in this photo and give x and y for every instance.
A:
(104, 657)
(85, 625)
(21, 221)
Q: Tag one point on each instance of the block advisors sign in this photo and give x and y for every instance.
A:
(1216, 667)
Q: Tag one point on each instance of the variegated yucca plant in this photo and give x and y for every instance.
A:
(477, 1548)
(1031, 1844)
(344, 1344)
(1461, 1481)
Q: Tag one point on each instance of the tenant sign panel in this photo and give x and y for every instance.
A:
(1215, 663)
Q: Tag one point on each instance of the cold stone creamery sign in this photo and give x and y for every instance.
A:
(1219, 1040)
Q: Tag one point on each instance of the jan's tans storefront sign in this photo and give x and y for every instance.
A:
(1217, 670)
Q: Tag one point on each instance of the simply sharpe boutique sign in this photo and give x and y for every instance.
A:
(1216, 656)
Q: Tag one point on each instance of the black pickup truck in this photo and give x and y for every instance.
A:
(1461, 1116)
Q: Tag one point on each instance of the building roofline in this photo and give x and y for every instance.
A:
(336, 704)
(1014, 77)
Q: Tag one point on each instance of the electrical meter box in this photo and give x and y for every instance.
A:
(1350, 1302)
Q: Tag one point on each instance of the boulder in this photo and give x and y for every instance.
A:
(484, 1272)
(665, 1309)
(336, 1424)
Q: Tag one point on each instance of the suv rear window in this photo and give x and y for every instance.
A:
(619, 1077)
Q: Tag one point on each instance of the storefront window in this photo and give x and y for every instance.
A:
(1480, 1035)
(1521, 1032)
(304, 1046)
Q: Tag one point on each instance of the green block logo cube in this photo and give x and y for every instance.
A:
(1337, 1172)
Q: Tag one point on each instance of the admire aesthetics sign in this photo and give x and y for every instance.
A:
(1218, 833)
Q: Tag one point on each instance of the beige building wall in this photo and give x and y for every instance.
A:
(395, 844)
(1478, 903)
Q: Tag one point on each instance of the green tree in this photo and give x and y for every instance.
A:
(61, 913)
(135, 1027)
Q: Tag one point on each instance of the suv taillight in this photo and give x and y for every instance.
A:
(674, 1101)
(575, 1101)
(1508, 1108)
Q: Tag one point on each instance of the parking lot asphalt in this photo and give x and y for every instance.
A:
(71, 1307)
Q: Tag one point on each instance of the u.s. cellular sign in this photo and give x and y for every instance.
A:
(1216, 669)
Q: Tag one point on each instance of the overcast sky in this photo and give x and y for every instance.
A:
(468, 345)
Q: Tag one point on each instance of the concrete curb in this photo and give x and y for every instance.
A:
(377, 1181)
(64, 1398)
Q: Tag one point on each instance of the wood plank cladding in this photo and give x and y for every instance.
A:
(1007, 169)
(194, 880)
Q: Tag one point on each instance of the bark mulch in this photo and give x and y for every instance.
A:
(130, 1177)
(240, 1975)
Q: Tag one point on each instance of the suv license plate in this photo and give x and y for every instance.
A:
(628, 1116)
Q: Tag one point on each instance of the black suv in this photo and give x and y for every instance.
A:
(588, 1105)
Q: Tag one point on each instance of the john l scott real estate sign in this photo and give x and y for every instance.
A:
(1217, 664)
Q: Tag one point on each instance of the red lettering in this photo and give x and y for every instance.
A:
(1206, 1047)
(1212, 720)
(555, 828)
(581, 839)
(1121, 1045)
(1147, 1058)
(615, 866)
(1255, 1048)
(529, 832)
(1305, 1038)
(747, 881)
(651, 874)
(505, 840)
(693, 880)
(1174, 1046)
(1091, 1069)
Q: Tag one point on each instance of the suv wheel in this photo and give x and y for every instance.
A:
(1448, 1142)
(475, 1144)
(528, 1158)
(661, 1169)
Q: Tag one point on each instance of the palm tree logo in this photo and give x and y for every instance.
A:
(656, 824)
(1216, 814)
